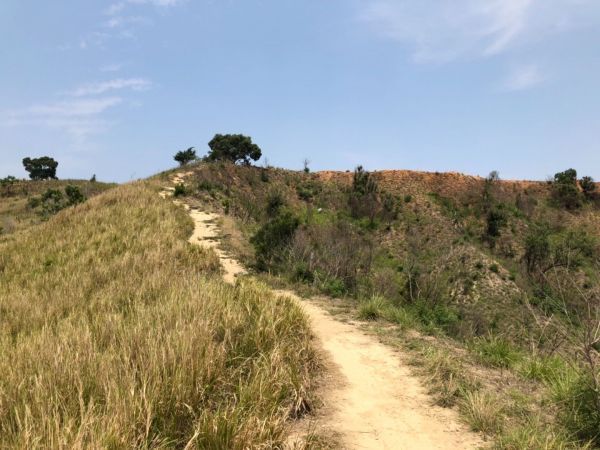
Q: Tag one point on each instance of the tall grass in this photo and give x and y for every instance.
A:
(115, 333)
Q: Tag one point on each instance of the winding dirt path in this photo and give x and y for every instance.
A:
(371, 399)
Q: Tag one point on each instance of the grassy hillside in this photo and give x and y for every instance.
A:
(502, 275)
(116, 333)
(16, 209)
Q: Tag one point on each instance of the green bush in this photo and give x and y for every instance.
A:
(271, 239)
(74, 195)
(302, 273)
(334, 287)
(565, 190)
(274, 204)
(180, 190)
(496, 220)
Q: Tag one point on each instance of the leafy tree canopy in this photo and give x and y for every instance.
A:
(233, 147)
(588, 186)
(185, 156)
(565, 190)
(43, 168)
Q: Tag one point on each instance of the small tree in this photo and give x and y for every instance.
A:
(43, 168)
(184, 157)
(362, 182)
(495, 220)
(565, 189)
(491, 181)
(588, 186)
(306, 163)
(537, 247)
(363, 199)
(234, 148)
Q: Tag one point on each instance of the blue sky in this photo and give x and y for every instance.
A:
(115, 87)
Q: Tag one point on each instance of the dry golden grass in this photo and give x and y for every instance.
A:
(115, 333)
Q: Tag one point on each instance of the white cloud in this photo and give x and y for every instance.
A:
(444, 30)
(71, 108)
(524, 77)
(118, 7)
(136, 84)
(79, 118)
(122, 21)
(115, 8)
(111, 67)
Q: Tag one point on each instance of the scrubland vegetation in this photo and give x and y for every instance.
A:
(499, 280)
(116, 333)
(26, 203)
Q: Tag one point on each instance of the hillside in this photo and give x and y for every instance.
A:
(501, 275)
(116, 333)
(17, 211)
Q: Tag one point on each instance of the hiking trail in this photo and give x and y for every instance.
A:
(371, 400)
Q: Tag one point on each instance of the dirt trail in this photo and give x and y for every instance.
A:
(206, 232)
(371, 400)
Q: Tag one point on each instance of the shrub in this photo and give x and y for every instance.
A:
(274, 204)
(271, 239)
(180, 190)
(494, 268)
(184, 157)
(334, 287)
(436, 316)
(537, 246)
(6, 184)
(74, 195)
(363, 200)
(52, 202)
(234, 148)
(207, 186)
(565, 190)
(588, 186)
(334, 251)
(302, 273)
(495, 220)
(362, 182)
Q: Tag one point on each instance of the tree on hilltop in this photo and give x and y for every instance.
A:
(234, 148)
(43, 168)
(184, 157)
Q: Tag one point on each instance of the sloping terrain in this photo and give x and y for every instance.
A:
(492, 285)
(371, 400)
(17, 210)
(116, 333)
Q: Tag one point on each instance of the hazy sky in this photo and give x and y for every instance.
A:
(117, 87)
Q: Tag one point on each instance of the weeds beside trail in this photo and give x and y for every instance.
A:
(115, 333)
